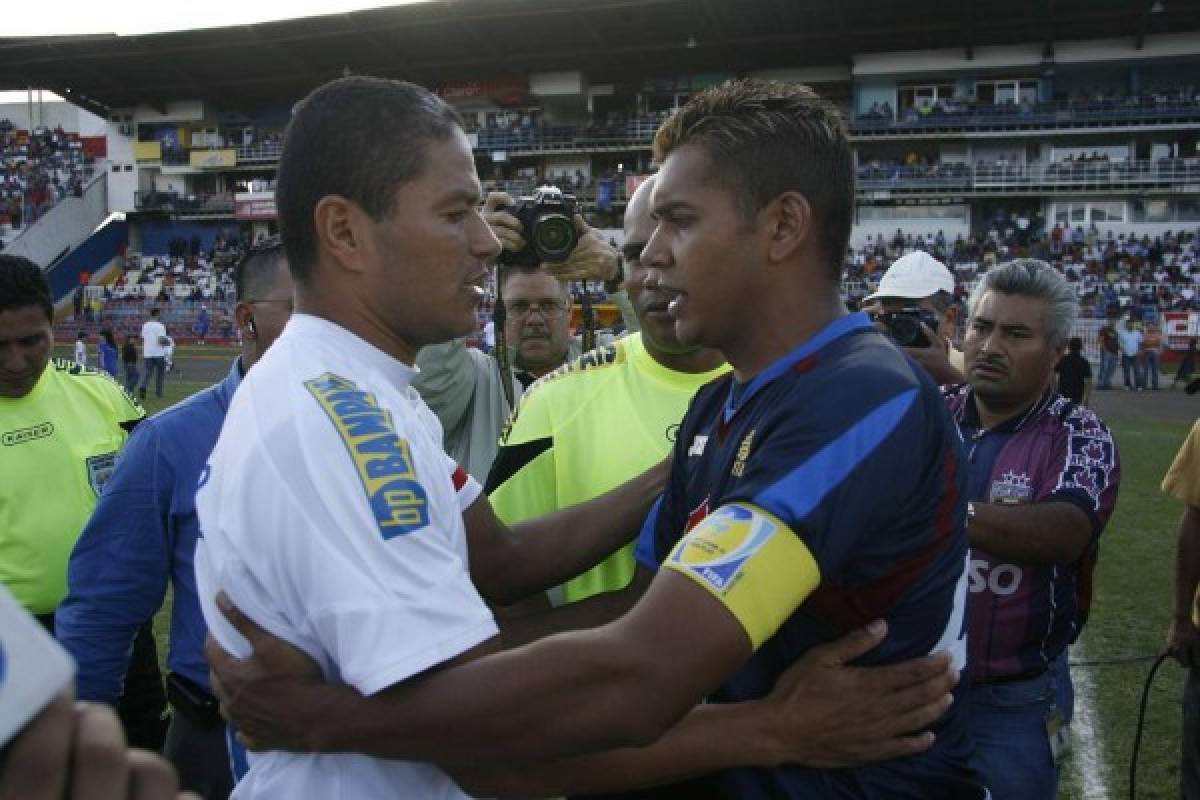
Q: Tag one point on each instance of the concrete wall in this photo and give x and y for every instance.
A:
(950, 228)
(122, 182)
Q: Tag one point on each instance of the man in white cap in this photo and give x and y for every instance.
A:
(915, 306)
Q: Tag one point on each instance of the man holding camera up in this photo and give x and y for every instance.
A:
(464, 386)
(915, 307)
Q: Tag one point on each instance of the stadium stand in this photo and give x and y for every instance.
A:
(38, 169)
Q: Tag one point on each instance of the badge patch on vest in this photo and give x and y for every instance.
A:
(99, 470)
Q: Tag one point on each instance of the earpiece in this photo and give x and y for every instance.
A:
(251, 327)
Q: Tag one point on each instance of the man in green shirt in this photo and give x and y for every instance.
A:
(62, 427)
(594, 423)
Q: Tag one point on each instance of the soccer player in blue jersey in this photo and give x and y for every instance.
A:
(817, 489)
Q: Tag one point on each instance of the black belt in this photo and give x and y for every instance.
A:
(193, 701)
(1036, 672)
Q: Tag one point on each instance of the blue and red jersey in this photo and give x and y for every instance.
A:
(849, 444)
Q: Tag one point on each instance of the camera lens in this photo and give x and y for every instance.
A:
(905, 331)
(554, 237)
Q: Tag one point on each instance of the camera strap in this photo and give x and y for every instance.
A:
(589, 320)
(501, 351)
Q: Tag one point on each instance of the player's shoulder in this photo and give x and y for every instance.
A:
(77, 378)
(591, 366)
(1075, 419)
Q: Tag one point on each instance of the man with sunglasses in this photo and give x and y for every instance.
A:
(143, 534)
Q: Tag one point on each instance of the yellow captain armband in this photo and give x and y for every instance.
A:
(756, 566)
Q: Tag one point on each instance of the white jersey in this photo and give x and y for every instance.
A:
(154, 338)
(331, 515)
(80, 353)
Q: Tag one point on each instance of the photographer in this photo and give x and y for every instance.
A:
(464, 386)
(915, 306)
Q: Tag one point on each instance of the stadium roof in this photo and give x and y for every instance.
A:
(455, 41)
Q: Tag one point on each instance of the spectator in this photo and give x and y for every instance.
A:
(1131, 346)
(1043, 476)
(106, 352)
(129, 358)
(1187, 365)
(81, 349)
(75, 422)
(1109, 350)
(1151, 348)
(465, 388)
(1075, 374)
(920, 281)
(154, 351)
(143, 534)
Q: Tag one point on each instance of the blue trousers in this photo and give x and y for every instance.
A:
(1008, 723)
(1108, 365)
(154, 366)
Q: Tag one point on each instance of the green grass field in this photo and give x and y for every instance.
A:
(1130, 610)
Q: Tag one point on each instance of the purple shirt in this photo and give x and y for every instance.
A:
(1021, 616)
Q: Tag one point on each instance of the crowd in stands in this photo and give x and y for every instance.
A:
(1115, 274)
(193, 289)
(37, 170)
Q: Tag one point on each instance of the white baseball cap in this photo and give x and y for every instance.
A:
(914, 276)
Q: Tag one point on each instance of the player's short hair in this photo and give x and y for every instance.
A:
(23, 284)
(1029, 277)
(255, 270)
(357, 137)
(764, 138)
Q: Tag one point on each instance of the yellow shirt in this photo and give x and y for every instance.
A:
(585, 429)
(58, 445)
(1183, 483)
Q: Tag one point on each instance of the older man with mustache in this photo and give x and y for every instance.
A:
(1042, 477)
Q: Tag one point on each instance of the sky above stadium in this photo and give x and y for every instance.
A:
(127, 19)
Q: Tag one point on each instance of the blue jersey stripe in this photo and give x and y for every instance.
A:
(793, 497)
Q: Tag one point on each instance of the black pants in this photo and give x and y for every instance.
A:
(200, 755)
(143, 704)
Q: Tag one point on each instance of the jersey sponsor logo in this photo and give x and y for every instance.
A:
(1012, 488)
(999, 579)
(732, 536)
(23, 435)
(698, 445)
(383, 460)
(672, 433)
(743, 453)
(100, 469)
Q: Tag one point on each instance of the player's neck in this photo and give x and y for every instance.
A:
(693, 362)
(781, 324)
(357, 319)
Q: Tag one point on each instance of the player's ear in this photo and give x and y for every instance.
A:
(788, 220)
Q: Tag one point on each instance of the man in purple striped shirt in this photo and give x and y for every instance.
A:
(1043, 476)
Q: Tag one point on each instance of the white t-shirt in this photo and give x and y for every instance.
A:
(152, 332)
(331, 515)
(1130, 341)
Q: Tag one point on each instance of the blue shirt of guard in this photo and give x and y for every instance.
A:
(142, 533)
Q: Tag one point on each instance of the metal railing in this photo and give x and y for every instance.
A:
(1163, 173)
(262, 153)
(219, 204)
(1041, 115)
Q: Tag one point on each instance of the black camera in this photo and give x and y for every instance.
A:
(548, 226)
(904, 326)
